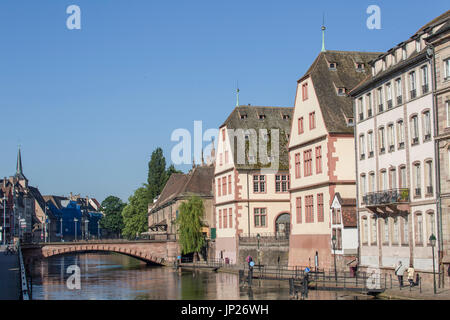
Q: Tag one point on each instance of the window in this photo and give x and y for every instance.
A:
(220, 218)
(281, 183)
(426, 120)
(380, 100)
(404, 55)
(260, 217)
(417, 180)
(262, 116)
(364, 230)
(259, 184)
(224, 186)
(286, 117)
(370, 143)
(405, 238)
(400, 134)
(412, 84)
(447, 106)
(230, 216)
(419, 229)
(369, 104)
(229, 184)
(312, 120)
(300, 125)
(363, 185)
(429, 177)
(381, 140)
(360, 109)
(309, 208)
(391, 134)
(225, 218)
(361, 147)
(393, 178)
(332, 66)
(359, 67)
(425, 85)
(414, 130)
(298, 206)
(318, 159)
(305, 91)
(243, 116)
(398, 87)
(219, 186)
(402, 177)
(386, 231)
(418, 46)
(297, 165)
(337, 232)
(383, 180)
(341, 91)
(373, 231)
(447, 69)
(389, 95)
(371, 182)
(307, 157)
(320, 212)
(396, 231)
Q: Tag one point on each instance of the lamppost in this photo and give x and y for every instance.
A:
(60, 229)
(433, 243)
(45, 223)
(98, 229)
(86, 231)
(4, 220)
(75, 220)
(333, 240)
(258, 237)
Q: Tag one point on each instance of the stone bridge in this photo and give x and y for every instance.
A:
(162, 252)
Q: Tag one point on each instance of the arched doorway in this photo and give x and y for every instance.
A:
(282, 225)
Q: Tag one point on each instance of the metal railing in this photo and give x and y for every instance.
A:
(267, 237)
(24, 287)
(387, 197)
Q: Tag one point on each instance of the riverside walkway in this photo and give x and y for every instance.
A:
(9, 276)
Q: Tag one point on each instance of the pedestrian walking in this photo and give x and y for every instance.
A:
(411, 275)
(399, 270)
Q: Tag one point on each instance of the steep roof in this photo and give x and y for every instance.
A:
(435, 22)
(335, 108)
(197, 182)
(248, 117)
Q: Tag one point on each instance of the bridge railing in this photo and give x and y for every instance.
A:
(24, 288)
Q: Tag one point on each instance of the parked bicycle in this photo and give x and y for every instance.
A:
(9, 250)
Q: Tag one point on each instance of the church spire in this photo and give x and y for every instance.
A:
(19, 170)
(237, 95)
(323, 33)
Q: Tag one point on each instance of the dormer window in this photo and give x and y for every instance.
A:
(262, 116)
(359, 67)
(332, 66)
(243, 116)
(350, 122)
(404, 55)
(418, 45)
(286, 117)
(341, 91)
(384, 63)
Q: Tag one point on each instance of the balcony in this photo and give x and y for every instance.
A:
(425, 88)
(427, 137)
(417, 192)
(362, 156)
(391, 148)
(382, 150)
(413, 94)
(401, 145)
(399, 100)
(361, 116)
(389, 103)
(371, 154)
(380, 108)
(369, 113)
(388, 197)
(430, 190)
(415, 141)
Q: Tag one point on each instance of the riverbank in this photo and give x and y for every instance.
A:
(9, 276)
(415, 294)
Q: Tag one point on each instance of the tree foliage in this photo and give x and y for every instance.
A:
(112, 208)
(190, 223)
(156, 174)
(135, 214)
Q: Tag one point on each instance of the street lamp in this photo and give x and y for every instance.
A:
(75, 220)
(4, 219)
(258, 237)
(433, 243)
(86, 231)
(333, 240)
(60, 229)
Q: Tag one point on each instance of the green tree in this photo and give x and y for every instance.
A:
(190, 225)
(156, 174)
(135, 214)
(112, 221)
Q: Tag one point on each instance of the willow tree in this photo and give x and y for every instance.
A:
(190, 223)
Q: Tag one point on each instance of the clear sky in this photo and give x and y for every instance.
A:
(89, 106)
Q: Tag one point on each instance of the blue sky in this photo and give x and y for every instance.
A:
(89, 106)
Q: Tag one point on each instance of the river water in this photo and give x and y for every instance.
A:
(110, 276)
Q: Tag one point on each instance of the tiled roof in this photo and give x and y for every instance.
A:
(335, 108)
(197, 182)
(248, 117)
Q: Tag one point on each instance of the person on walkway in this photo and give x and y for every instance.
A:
(399, 270)
(411, 275)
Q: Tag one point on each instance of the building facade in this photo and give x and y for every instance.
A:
(251, 183)
(396, 159)
(321, 152)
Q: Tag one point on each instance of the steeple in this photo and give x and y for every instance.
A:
(323, 33)
(19, 170)
(237, 95)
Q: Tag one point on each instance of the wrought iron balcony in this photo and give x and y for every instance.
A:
(425, 88)
(399, 100)
(413, 94)
(389, 103)
(369, 113)
(380, 107)
(387, 197)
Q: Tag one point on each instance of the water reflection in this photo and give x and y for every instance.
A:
(119, 277)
